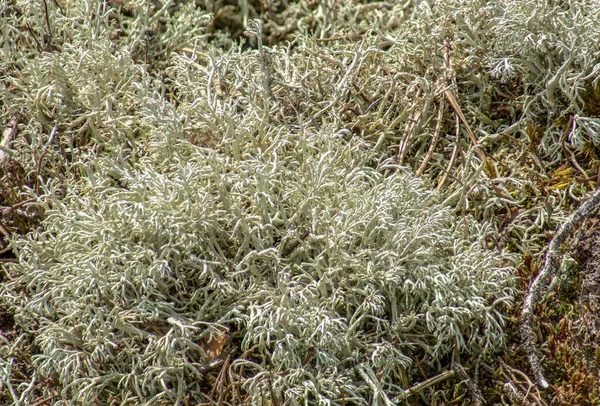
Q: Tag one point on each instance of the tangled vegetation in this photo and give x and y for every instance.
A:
(311, 202)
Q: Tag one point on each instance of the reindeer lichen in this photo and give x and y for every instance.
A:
(322, 203)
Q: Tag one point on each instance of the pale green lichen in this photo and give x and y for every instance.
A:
(193, 186)
(184, 249)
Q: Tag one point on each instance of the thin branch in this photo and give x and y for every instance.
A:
(434, 141)
(452, 158)
(423, 385)
(8, 136)
(454, 103)
(551, 268)
(476, 395)
(47, 18)
(570, 153)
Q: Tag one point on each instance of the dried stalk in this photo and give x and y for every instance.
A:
(570, 153)
(436, 137)
(476, 395)
(455, 152)
(423, 385)
(549, 270)
(7, 137)
(454, 103)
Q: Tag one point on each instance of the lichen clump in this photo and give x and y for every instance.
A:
(130, 275)
(313, 204)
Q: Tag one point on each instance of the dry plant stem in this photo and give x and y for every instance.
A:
(452, 158)
(6, 233)
(218, 386)
(512, 379)
(422, 385)
(290, 247)
(234, 385)
(550, 269)
(570, 153)
(413, 121)
(5, 250)
(274, 399)
(7, 210)
(442, 107)
(454, 103)
(9, 135)
(37, 43)
(47, 22)
(206, 368)
(44, 401)
(436, 137)
(476, 396)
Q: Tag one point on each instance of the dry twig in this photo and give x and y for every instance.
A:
(9, 135)
(422, 385)
(476, 395)
(551, 268)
